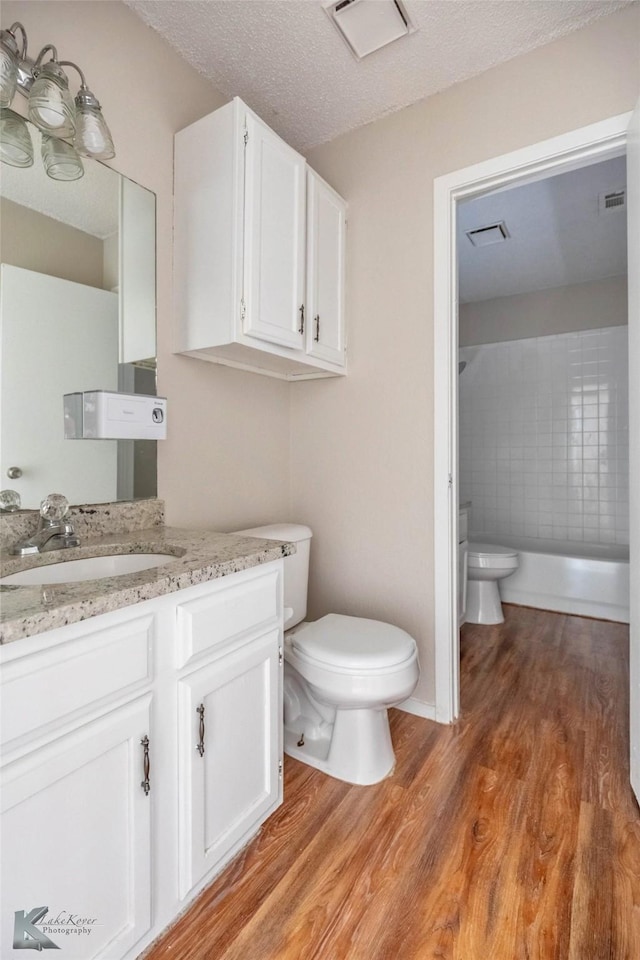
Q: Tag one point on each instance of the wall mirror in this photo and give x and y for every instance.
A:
(77, 312)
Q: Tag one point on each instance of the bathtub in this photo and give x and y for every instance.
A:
(587, 579)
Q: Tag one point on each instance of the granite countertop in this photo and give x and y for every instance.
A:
(199, 557)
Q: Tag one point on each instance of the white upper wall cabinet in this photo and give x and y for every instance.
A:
(274, 202)
(258, 251)
(326, 229)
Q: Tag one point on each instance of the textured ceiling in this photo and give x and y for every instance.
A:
(558, 236)
(288, 62)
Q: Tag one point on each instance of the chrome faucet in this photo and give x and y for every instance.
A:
(53, 533)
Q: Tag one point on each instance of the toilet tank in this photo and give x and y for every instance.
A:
(296, 567)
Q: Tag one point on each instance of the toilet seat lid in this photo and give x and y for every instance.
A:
(490, 550)
(353, 642)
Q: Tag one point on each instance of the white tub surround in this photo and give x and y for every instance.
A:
(544, 441)
(590, 580)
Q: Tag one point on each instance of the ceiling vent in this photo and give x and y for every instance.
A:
(485, 236)
(614, 200)
(368, 25)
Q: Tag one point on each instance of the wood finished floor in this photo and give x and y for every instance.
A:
(512, 835)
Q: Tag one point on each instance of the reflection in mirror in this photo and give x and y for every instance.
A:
(77, 312)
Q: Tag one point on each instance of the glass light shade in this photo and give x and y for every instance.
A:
(61, 162)
(93, 138)
(50, 105)
(16, 147)
(9, 61)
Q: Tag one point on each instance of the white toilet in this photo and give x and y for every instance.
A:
(340, 676)
(487, 564)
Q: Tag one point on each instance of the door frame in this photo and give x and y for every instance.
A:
(569, 151)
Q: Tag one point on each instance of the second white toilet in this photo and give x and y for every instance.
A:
(340, 676)
(487, 563)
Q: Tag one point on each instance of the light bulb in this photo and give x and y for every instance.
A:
(9, 60)
(50, 105)
(61, 162)
(16, 147)
(93, 138)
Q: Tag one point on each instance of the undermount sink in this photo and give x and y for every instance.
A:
(89, 568)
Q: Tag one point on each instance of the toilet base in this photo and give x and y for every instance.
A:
(355, 748)
(483, 602)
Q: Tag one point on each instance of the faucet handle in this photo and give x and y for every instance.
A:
(54, 507)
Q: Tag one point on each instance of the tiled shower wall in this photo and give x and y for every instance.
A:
(544, 437)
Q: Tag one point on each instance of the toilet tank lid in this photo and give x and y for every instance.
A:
(293, 532)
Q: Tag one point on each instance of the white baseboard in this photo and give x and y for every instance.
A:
(418, 707)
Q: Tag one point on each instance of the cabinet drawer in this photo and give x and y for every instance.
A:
(47, 687)
(225, 614)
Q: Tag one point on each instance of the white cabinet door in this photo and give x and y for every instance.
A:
(273, 237)
(75, 834)
(326, 216)
(230, 753)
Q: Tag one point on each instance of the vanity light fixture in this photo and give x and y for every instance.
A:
(52, 109)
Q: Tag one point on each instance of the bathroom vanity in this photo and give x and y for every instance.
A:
(141, 736)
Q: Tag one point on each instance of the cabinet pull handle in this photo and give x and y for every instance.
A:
(317, 336)
(301, 327)
(200, 745)
(145, 784)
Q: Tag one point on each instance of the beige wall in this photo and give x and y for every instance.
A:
(578, 306)
(33, 241)
(361, 447)
(226, 460)
(362, 459)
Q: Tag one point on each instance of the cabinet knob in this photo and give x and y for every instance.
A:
(14, 473)
(317, 322)
(301, 327)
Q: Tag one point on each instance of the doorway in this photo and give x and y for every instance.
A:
(598, 142)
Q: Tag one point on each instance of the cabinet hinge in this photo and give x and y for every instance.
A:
(280, 769)
(280, 656)
(246, 137)
(243, 310)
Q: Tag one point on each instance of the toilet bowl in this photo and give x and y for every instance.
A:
(487, 564)
(340, 676)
